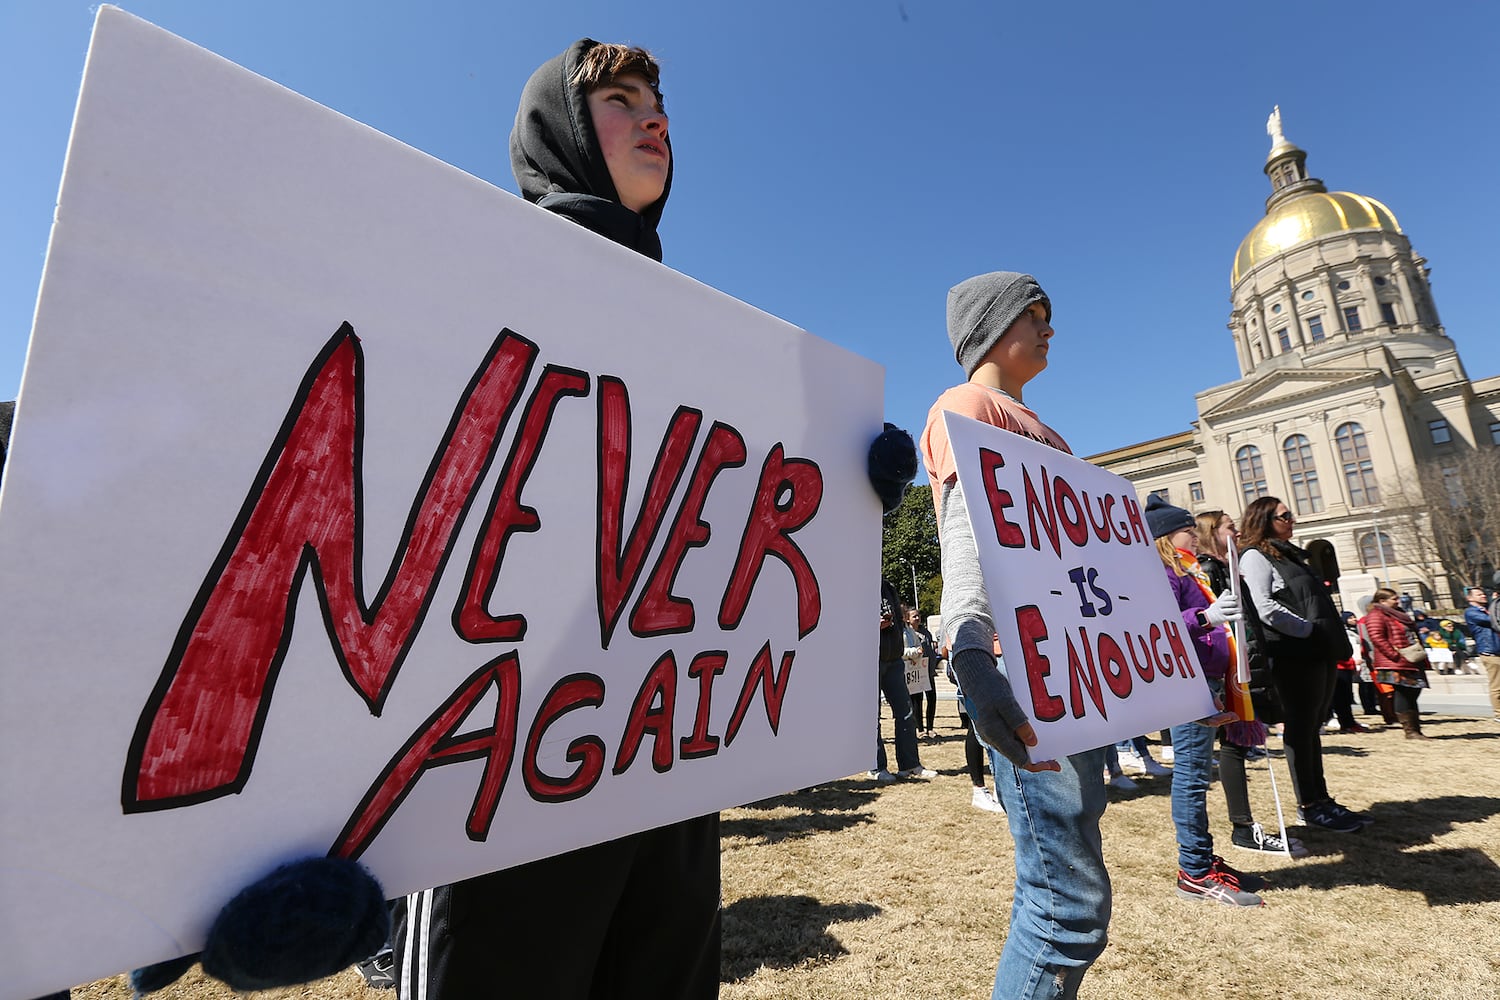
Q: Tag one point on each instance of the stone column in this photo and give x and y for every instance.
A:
(1240, 330)
(1262, 331)
(1414, 316)
(1333, 323)
(1370, 312)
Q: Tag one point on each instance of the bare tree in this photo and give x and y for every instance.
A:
(1408, 536)
(1462, 492)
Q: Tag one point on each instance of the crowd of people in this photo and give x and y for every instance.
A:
(1296, 638)
(1304, 658)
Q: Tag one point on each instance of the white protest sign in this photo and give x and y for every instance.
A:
(917, 680)
(1095, 646)
(1240, 626)
(356, 506)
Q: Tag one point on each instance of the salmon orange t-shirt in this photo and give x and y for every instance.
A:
(987, 405)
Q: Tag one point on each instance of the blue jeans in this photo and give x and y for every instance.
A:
(1059, 919)
(1192, 772)
(893, 686)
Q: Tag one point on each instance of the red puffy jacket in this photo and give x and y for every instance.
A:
(1389, 630)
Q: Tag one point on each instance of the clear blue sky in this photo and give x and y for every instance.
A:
(841, 164)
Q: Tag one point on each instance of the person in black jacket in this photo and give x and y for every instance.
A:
(892, 682)
(637, 916)
(1305, 639)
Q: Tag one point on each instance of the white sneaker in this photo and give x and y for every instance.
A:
(917, 772)
(1119, 781)
(1166, 752)
(1132, 762)
(985, 799)
(883, 776)
(1156, 770)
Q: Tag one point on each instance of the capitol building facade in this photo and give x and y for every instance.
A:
(1352, 405)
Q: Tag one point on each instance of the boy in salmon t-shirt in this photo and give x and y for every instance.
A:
(1000, 327)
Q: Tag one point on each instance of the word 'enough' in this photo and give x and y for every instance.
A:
(1098, 660)
(1052, 504)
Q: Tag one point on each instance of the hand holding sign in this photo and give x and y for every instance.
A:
(304, 921)
(1223, 610)
(998, 718)
(1220, 716)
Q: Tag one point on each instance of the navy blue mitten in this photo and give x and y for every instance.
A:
(892, 465)
(306, 920)
(151, 978)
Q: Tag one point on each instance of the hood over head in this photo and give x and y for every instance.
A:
(559, 164)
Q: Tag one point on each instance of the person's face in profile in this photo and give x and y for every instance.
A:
(632, 131)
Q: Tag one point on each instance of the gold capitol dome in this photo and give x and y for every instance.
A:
(1301, 209)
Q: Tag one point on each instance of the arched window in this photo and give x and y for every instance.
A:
(1304, 477)
(1375, 546)
(1252, 473)
(1359, 471)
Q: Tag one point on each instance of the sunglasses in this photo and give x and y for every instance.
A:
(1285, 516)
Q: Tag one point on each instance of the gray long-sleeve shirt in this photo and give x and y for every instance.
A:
(1262, 578)
(966, 604)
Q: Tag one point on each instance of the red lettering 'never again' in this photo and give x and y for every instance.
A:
(197, 735)
(788, 495)
(436, 743)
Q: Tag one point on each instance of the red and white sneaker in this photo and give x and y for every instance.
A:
(1237, 878)
(1219, 885)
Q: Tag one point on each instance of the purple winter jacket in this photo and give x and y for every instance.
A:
(1212, 644)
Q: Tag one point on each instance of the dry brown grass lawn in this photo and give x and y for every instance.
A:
(853, 890)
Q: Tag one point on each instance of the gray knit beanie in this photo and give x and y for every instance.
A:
(981, 309)
(1163, 519)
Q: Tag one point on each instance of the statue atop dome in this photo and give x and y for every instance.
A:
(1273, 128)
(1300, 209)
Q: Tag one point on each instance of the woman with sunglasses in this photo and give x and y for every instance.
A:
(1305, 640)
